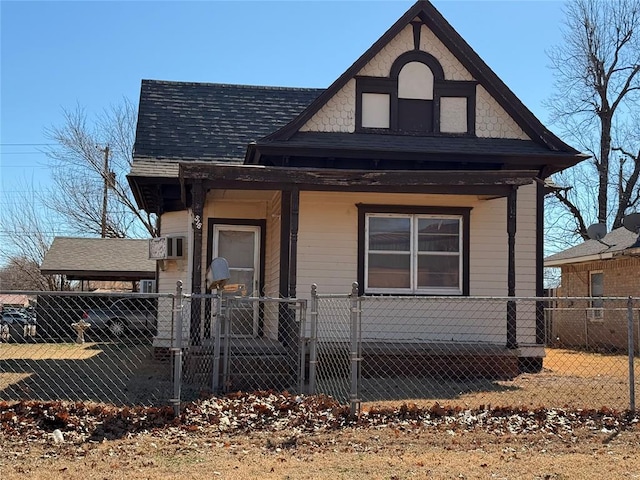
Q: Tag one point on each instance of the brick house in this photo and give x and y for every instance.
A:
(609, 267)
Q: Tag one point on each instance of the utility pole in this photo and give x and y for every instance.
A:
(106, 175)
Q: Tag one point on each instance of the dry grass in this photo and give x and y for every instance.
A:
(349, 454)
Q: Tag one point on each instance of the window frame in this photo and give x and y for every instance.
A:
(415, 212)
(441, 88)
(596, 303)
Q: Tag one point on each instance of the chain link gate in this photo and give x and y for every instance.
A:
(237, 343)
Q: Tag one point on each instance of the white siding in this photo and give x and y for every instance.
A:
(327, 256)
(173, 223)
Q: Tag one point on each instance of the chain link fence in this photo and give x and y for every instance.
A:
(83, 347)
(166, 349)
(572, 352)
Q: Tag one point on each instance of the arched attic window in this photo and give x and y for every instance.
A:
(415, 99)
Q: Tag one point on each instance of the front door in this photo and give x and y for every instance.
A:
(240, 246)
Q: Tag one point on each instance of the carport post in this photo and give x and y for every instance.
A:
(176, 349)
(631, 352)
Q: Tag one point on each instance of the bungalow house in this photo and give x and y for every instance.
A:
(417, 172)
(608, 267)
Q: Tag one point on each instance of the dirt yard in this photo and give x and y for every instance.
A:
(274, 436)
(567, 422)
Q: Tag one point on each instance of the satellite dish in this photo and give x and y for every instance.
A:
(632, 222)
(217, 273)
(597, 231)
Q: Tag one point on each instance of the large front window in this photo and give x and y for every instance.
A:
(413, 253)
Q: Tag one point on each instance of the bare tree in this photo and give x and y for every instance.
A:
(90, 164)
(597, 91)
(22, 273)
(28, 232)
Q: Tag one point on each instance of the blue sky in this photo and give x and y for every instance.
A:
(57, 55)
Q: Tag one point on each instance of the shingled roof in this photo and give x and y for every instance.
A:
(99, 259)
(614, 243)
(186, 121)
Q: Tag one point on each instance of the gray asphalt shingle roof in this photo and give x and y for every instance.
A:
(615, 241)
(183, 121)
(100, 255)
(418, 144)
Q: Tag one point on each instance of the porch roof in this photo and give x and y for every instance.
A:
(259, 177)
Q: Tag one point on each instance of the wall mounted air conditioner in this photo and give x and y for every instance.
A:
(175, 247)
(167, 248)
(147, 286)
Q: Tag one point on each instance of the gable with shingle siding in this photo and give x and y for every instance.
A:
(339, 112)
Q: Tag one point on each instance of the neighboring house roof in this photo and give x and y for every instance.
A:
(617, 242)
(183, 121)
(14, 300)
(99, 259)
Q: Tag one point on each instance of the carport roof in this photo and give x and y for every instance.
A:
(99, 259)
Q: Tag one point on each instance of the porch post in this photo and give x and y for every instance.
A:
(197, 205)
(293, 247)
(512, 204)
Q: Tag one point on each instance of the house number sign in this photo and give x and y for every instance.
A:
(197, 222)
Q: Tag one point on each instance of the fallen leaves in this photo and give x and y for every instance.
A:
(293, 415)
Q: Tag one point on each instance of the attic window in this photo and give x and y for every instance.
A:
(415, 99)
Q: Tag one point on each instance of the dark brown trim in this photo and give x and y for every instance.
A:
(540, 327)
(417, 27)
(464, 212)
(197, 195)
(285, 242)
(512, 208)
(293, 248)
(417, 56)
(280, 178)
(252, 222)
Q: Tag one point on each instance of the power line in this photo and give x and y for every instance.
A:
(28, 144)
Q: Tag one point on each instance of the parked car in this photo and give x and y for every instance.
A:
(126, 315)
(17, 326)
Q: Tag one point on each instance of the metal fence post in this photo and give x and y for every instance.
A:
(313, 340)
(176, 349)
(355, 350)
(301, 307)
(226, 377)
(631, 351)
(215, 386)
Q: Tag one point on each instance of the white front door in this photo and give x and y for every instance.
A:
(240, 246)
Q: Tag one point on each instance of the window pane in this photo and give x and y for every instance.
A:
(389, 233)
(389, 271)
(237, 247)
(597, 289)
(415, 80)
(438, 235)
(375, 110)
(438, 271)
